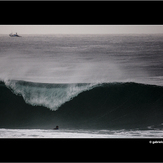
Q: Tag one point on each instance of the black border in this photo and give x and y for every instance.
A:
(80, 150)
(81, 12)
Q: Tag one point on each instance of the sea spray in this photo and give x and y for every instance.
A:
(51, 96)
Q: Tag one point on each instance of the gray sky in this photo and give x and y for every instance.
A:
(81, 29)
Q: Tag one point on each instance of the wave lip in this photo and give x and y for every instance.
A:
(48, 95)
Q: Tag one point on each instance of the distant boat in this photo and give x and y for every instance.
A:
(14, 35)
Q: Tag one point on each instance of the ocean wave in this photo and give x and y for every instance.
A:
(81, 105)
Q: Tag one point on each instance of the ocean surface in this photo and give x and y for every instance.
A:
(91, 86)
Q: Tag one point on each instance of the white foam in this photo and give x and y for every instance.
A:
(52, 97)
(42, 133)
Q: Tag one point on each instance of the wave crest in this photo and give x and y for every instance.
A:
(51, 96)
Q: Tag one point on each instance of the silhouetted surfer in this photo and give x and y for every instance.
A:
(56, 128)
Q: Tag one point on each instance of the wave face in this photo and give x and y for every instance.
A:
(91, 106)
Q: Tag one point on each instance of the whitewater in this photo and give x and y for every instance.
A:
(96, 86)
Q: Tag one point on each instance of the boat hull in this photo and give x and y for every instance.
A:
(15, 35)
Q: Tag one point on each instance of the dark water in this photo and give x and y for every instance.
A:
(81, 81)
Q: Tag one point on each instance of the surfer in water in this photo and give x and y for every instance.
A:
(56, 128)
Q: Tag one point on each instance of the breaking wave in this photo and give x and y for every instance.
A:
(95, 106)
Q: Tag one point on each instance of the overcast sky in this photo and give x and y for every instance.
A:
(81, 29)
